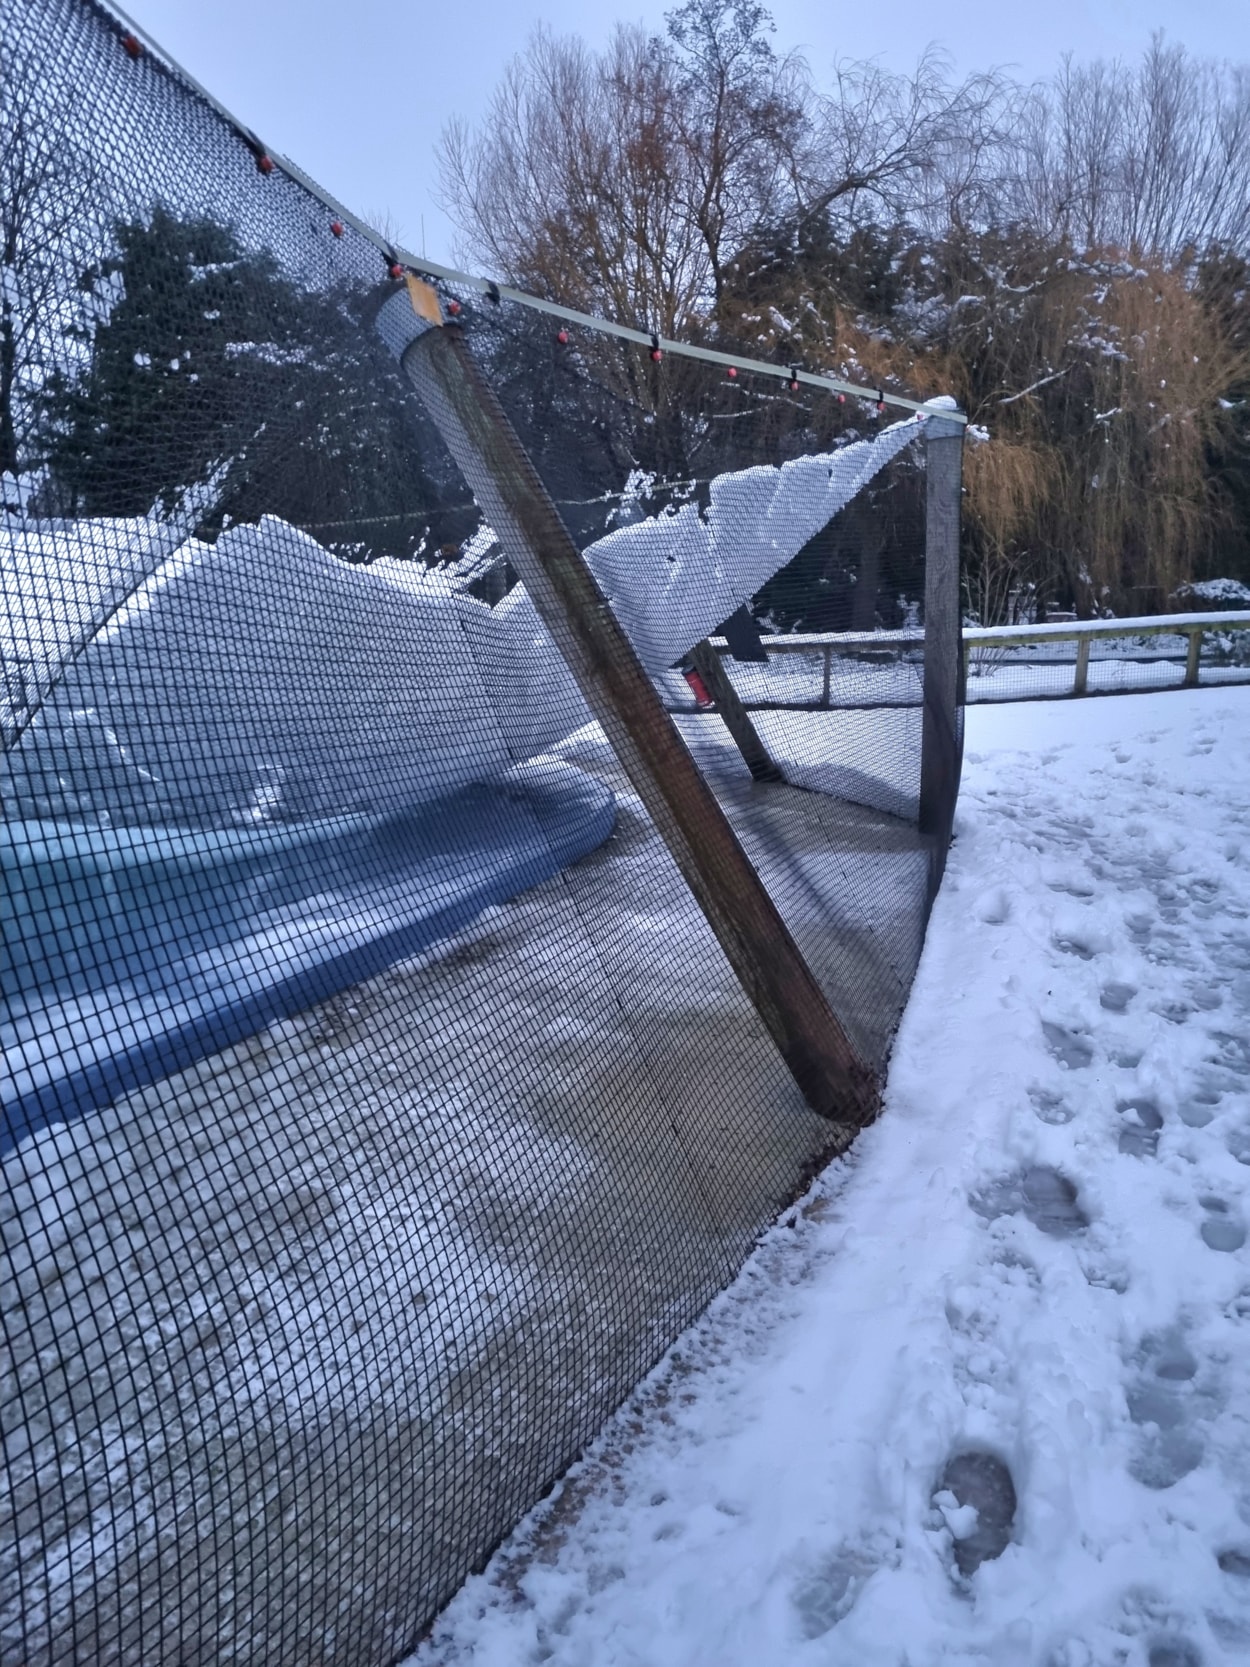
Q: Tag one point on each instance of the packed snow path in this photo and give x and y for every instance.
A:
(1026, 1290)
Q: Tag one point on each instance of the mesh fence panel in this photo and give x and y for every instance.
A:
(378, 1103)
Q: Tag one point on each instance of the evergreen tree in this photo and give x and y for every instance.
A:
(203, 359)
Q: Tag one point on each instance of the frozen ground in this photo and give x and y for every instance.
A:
(982, 1397)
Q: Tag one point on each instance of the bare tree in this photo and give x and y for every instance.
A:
(622, 181)
(1037, 250)
(1153, 162)
(916, 147)
(633, 180)
(745, 124)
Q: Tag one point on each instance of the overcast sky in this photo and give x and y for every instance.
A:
(358, 94)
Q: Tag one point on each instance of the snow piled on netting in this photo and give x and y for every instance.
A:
(674, 578)
(152, 677)
(262, 677)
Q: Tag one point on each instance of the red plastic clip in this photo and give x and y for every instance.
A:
(264, 162)
(698, 689)
(395, 269)
(336, 228)
(132, 46)
(453, 307)
(732, 373)
(562, 336)
(657, 352)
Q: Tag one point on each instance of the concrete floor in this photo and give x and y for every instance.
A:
(298, 1334)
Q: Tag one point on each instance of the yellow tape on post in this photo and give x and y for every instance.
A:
(424, 298)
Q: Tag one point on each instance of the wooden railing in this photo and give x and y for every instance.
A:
(1085, 632)
(891, 645)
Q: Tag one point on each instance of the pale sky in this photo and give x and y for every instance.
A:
(358, 94)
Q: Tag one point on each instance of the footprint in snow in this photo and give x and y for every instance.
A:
(1221, 1228)
(1050, 1107)
(1116, 997)
(827, 1594)
(1072, 887)
(1173, 1652)
(1070, 945)
(1042, 1195)
(1204, 996)
(1169, 1401)
(1234, 1052)
(1139, 1131)
(1072, 1048)
(1175, 1012)
(977, 1501)
(1198, 1110)
(994, 908)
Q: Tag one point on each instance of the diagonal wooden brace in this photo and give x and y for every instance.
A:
(734, 715)
(758, 944)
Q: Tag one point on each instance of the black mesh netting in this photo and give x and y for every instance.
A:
(378, 1103)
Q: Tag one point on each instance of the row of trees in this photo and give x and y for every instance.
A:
(1069, 259)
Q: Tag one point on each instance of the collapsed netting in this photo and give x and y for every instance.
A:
(378, 1104)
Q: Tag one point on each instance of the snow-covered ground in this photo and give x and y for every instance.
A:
(1012, 1328)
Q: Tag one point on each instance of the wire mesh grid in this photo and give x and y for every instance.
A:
(379, 1104)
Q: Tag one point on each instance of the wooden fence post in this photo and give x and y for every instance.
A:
(1192, 660)
(759, 946)
(1080, 679)
(941, 750)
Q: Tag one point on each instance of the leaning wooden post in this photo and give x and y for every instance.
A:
(760, 949)
(734, 715)
(941, 747)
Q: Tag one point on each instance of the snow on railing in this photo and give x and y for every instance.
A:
(1083, 633)
(995, 640)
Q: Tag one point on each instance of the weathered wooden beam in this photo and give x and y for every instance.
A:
(940, 749)
(707, 662)
(759, 946)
